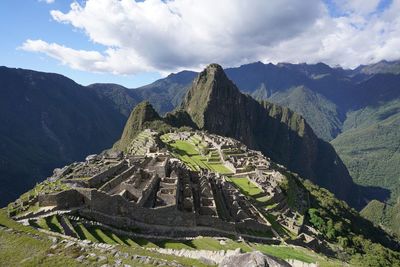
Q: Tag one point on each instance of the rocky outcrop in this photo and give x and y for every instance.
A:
(253, 259)
(215, 104)
(142, 114)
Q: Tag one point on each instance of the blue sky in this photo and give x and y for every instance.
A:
(137, 43)
(31, 19)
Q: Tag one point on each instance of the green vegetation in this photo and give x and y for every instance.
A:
(246, 186)
(189, 154)
(142, 117)
(385, 214)
(364, 244)
(25, 246)
(321, 113)
(369, 147)
(21, 204)
(285, 253)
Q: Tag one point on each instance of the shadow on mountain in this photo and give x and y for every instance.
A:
(369, 193)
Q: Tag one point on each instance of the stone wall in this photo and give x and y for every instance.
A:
(215, 222)
(101, 178)
(118, 179)
(63, 200)
(159, 164)
(149, 189)
(118, 206)
(251, 224)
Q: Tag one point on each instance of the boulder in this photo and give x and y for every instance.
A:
(252, 259)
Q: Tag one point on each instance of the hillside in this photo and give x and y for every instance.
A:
(47, 121)
(370, 149)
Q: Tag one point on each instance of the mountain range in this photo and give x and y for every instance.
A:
(48, 121)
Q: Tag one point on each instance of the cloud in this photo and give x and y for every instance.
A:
(169, 35)
(360, 7)
(47, 1)
(347, 41)
(111, 61)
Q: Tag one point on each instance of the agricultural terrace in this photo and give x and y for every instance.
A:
(190, 152)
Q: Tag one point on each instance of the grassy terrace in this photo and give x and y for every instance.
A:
(31, 248)
(189, 154)
(25, 246)
(246, 186)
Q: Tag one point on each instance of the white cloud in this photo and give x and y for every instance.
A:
(47, 1)
(177, 34)
(112, 60)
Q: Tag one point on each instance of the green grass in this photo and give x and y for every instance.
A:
(84, 233)
(97, 234)
(263, 199)
(101, 236)
(174, 244)
(203, 243)
(32, 250)
(29, 247)
(25, 250)
(185, 148)
(188, 153)
(220, 168)
(53, 224)
(246, 186)
(284, 252)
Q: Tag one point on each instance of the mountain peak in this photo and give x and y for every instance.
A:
(142, 113)
(211, 85)
(212, 72)
(214, 66)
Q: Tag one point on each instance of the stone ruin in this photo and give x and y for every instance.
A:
(156, 194)
(147, 188)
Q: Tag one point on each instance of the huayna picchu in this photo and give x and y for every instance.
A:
(204, 186)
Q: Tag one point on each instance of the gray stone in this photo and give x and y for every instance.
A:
(252, 259)
(102, 258)
(80, 258)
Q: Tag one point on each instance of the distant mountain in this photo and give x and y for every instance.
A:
(166, 94)
(47, 121)
(383, 66)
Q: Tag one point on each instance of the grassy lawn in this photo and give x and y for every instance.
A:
(50, 223)
(203, 243)
(284, 252)
(101, 236)
(246, 186)
(263, 199)
(54, 224)
(185, 148)
(24, 250)
(172, 244)
(187, 152)
(105, 236)
(84, 233)
(220, 168)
